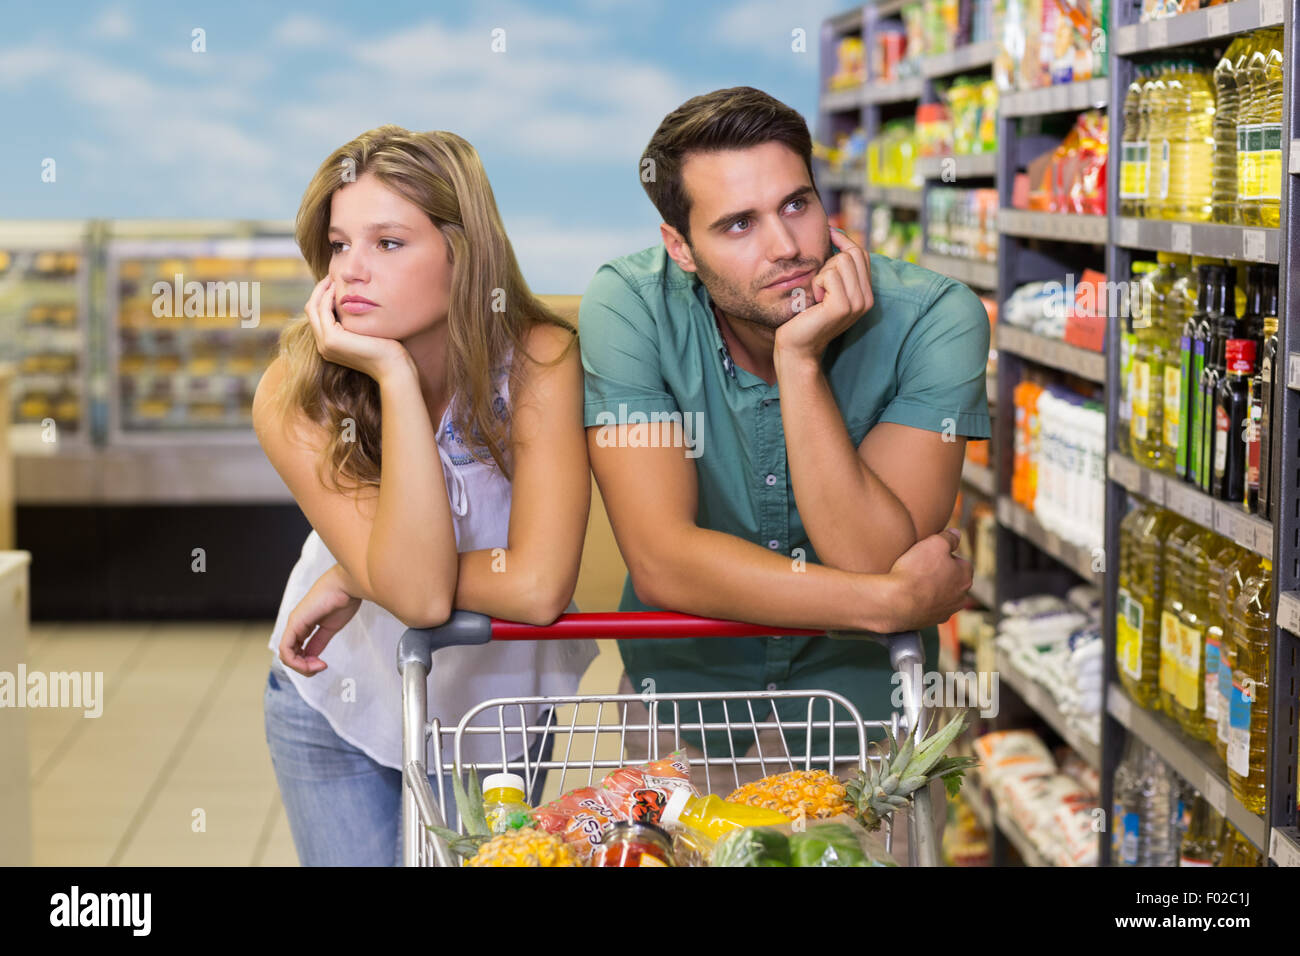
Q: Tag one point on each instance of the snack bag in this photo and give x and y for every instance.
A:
(640, 793)
(579, 817)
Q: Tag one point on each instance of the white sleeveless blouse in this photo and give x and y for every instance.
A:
(360, 693)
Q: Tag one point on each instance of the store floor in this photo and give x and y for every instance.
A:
(175, 771)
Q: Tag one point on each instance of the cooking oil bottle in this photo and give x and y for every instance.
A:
(1200, 844)
(1128, 614)
(1248, 709)
(1235, 577)
(1189, 692)
(1134, 167)
(1179, 306)
(1146, 601)
(1225, 132)
(1216, 630)
(1155, 104)
(1155, 351)
(1251, 111)
(1269, 187)
(1171, 611)
(1189, 98)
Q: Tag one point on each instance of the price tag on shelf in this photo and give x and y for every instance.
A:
(1288, 612)
(1120, 706)
(1293, 370)
(1216, 794)
(1052, 542)
(1128, 232)
(1154, 487)
(1180, 237)
(1157, 33)
(1060, 97)
(1218, 17)
(1264, 540)
(1282, 851)
(1294, 164)
(1253, 241)
(1270, 12)
(1125, 472)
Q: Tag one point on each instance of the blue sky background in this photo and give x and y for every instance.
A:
(142, 127)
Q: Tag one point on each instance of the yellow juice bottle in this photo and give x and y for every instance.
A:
(1175, 574)
(1189, 693)
(1248, 709)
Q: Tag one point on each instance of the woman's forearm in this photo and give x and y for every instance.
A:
(411, 560)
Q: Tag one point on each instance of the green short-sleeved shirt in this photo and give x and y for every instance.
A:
(650, 344)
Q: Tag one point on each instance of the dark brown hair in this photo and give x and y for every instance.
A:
(735, 118)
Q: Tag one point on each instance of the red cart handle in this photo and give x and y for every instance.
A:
(635, 624)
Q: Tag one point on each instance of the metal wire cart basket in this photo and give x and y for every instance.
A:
(591, 732)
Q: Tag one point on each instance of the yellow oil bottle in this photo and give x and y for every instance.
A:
(1134, 168)
(1128, 615)
(1176, 575)
(1155, 350)
(1251, 112)
(1235, 576)
(1270, 157)
(1189, 100)
(1157, 129)
(1248, 709)
(1189, 680)
(1139, 673)
(1216, 628)
(1225, 131)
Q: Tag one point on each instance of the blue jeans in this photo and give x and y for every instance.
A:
(344, 808)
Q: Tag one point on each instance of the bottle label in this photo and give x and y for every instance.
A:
(1128, 635)
(1225, 698)
(1168, 676)
(1254, 417)
(1173, 406)
(1188, 693)
(1141, 399)
(1129, 845)
(1246, 165)
(1269, 161)
(1221, 434)
(1239, 731)
(1133, 170)
(1213, 639)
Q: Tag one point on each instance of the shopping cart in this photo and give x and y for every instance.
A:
(506, 719)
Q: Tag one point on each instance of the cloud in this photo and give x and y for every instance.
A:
(559, 259)
(113, 24)
(300, 30)
(765, 26)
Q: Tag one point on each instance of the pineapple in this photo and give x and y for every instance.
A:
(871, 795)
(814, 794)
(525, 847)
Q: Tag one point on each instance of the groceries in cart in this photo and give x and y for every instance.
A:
(650, 814)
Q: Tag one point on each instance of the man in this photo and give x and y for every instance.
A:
(829, 395)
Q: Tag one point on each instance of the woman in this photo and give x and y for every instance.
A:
(421, 339)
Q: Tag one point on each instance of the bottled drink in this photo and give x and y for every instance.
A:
(1146, 601)
(504, 805)
(1248, 710)
(1128, 614)
(1126, 810)
(1222, 324)
(1270, 116)
(1154, 352)
(1154, 102)
(1178, 309)
(1267, 438)
(1231, 421)
(1159, 807)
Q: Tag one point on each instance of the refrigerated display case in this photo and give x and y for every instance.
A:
(192, 325)
(45, 332)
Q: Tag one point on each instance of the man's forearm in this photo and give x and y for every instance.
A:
(714, 574)
(853, 520)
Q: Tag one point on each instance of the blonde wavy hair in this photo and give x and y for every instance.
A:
(442, 174)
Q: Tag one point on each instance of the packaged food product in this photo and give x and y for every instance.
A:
(580, 817)
(641, 792)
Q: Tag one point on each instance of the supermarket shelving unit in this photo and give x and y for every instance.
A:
(1030, 559)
